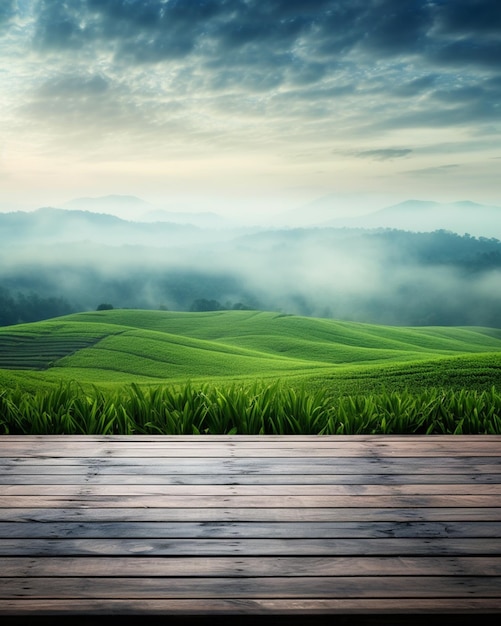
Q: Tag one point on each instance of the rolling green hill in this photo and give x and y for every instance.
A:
(151, 347)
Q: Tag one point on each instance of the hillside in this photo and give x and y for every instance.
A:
(124, 346)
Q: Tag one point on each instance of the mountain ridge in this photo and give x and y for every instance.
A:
(461, 217)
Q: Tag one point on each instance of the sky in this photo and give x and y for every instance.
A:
(248, 107)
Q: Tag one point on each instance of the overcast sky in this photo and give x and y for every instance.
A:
(250, 105)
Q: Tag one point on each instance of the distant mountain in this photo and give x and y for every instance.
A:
(478, 220)
(323, 210)
(463, 217)
(138, 210)
(202, 220)
(51, 225)
(126, 206)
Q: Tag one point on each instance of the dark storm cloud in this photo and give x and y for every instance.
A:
(282, 32)
(481, 17)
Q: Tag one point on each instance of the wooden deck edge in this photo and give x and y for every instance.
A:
(251, 608)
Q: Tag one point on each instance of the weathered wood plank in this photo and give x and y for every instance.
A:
(224, 465)
(252, 566)
(309, 608)
(250, 587)
(363, 445)
(254, 450)
(83, 478)
(232, 475)
(271, 514)
(424, 546)
(275, 501)
(248, 530)
(253, 490)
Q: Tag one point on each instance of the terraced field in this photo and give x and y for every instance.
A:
(32, 351)
(123, 346)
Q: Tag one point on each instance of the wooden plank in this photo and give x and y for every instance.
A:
(444, 465)
(252, 566)
(80, 500)
(373, 442)
(252, 530)
(418, 546)
(83, 478)
(310, 608)
(248, 451)
(324, 491)
(250, 587)
(271, 514)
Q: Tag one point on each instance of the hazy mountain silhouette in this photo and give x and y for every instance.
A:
(130, 206)
(202, 220)
(138, 210)
(51, 225)
(461, 217)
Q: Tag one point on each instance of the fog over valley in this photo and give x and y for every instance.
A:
(81, 259)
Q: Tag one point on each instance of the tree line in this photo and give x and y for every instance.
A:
(18, 308)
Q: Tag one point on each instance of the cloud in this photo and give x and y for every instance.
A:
(295, 38)
(279, 31)
(439, 169)
(7, 12)
(462, 17)
(385, 154)
(417, 86)
(74, 86)
(153, 78)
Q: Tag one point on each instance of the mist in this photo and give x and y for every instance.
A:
(378, 275)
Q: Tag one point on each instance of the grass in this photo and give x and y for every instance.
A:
(245, 372)
(260, 409)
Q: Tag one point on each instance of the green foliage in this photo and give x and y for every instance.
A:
(19, 307)
(260, 408)
(202, 304)
(250, 372)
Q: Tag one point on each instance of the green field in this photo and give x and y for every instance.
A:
(152, 347)
(243, 363)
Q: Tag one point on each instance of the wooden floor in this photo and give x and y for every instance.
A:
(250, 526)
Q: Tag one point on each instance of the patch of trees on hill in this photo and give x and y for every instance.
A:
(18, 308)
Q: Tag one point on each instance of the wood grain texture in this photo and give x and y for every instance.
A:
(249, 525)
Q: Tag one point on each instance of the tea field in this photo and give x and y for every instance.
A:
(133, 371)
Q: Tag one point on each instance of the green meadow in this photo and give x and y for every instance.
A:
(143, 371)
